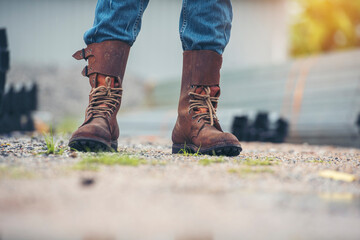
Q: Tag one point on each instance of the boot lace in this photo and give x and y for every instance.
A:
(205, 101)
(104, 99)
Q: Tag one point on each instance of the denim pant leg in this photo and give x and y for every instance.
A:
(116, 20)
(205, 24)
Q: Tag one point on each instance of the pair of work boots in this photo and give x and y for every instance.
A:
(197, 128)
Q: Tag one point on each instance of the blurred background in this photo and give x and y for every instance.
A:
(291, 60)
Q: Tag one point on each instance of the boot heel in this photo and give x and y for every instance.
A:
(177, 149)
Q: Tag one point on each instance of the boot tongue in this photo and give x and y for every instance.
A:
(101, 81)
(214, 92)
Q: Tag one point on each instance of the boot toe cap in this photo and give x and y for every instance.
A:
(92, 131)
(216, 139)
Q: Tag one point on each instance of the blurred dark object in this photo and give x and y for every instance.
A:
(4, 61)
(4, 53)
(87, 181)
(261, 129)
(358, 122)
(15, 106)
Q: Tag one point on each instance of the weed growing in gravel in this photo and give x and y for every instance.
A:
(187, 153)
(52, 147)
(92, 163)
(208, 161)
(15, 173)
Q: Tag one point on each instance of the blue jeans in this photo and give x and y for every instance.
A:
(204, 24)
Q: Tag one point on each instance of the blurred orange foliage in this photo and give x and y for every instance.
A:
(324, 25)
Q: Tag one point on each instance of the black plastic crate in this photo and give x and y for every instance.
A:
(261, 129)
(3, 39)
(4, 60)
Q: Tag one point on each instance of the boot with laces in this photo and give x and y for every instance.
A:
(197, 129)
(106, 67)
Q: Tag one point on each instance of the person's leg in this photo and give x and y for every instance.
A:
(116, 20)
(204, 32)
(205, 25)
(116, 26)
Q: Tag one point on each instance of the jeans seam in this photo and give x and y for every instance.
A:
(184, 24)
(141, 9)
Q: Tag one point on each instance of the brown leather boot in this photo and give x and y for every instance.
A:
(106, 67)
(197, 129)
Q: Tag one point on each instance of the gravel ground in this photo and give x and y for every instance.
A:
(269, 191)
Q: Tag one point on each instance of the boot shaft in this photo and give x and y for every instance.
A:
(201, 69)
(106, 60)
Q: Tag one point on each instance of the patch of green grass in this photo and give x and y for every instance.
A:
(92, 163)
(233, 170)
(259, 162)
(250, 170)
(267, 161)
(83, 166)
(15, 173)
(113, 159)
(208, 161)
(205, 161)
(52, 146)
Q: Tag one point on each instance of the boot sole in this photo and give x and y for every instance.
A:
(226, 150)
(91, 145)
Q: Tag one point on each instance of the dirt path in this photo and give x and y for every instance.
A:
(270, 191)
